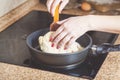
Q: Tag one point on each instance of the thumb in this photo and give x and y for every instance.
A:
(62, 5)
(62, 22)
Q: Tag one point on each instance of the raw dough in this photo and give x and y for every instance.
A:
(45, 45)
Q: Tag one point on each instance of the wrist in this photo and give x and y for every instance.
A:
(89, 19)
(91, 22)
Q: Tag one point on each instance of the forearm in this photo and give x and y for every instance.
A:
(105, 23)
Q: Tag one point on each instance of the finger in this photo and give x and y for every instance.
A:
(59, 38)
(49, 4)
(62, 5)
(71, 41)
(55, 34)
(64, 41)
(58, 30)
(61, 22)
(54, 5)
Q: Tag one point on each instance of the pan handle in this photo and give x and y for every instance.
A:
(105, 48)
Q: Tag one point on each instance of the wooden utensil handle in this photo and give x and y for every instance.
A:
(54, 26)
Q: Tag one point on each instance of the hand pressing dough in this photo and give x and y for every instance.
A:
(45, 45)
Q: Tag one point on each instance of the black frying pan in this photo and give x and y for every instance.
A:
(66, 60)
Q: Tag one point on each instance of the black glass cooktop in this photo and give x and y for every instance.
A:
(13, 48)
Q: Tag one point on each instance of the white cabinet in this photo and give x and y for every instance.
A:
(8, 5)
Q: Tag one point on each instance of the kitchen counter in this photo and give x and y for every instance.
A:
(13, 72)
(110, 69)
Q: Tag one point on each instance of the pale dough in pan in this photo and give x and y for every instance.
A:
(45, 45)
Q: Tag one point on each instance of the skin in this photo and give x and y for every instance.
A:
(51, 5)
(72, 28)
(69, 30)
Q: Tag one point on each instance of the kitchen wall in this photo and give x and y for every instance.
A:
(8, 5)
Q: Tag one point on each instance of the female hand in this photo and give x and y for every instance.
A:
(70, 29)
(51, 5)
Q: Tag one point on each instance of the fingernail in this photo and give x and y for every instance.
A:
(50, 39)
(65, 48)
(58, 47)
(52, 45)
